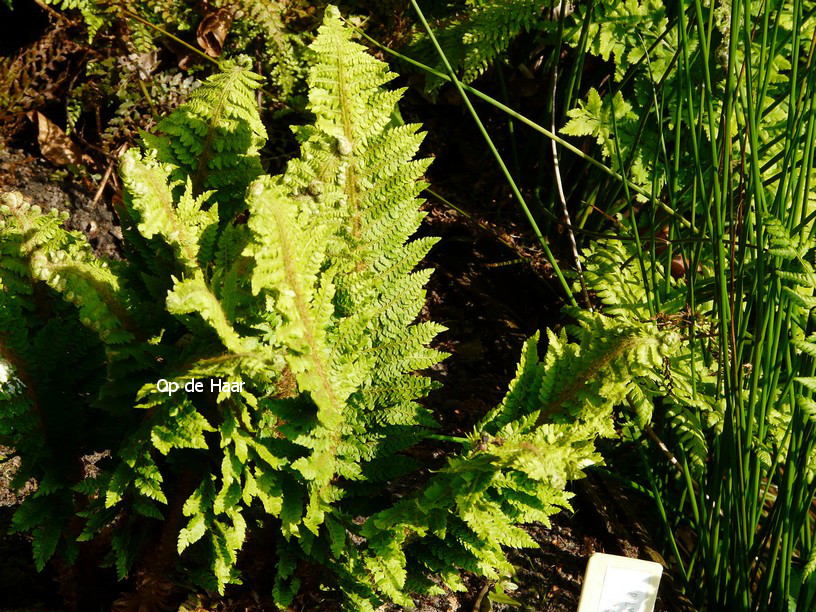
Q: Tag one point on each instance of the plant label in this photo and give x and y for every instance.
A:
(619, 584)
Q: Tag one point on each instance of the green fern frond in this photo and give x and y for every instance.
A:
(783, 245)
(690, 436)
(92, 11)
(282, 52)
(337, 249)
(622, 30)
(683, 381)
(214, 138)
(65, 262)
(516, 464)
(474, 40)
(182, 224)
(617, 138)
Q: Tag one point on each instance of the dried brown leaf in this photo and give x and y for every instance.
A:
(213, 30)
(55, 145)
(36, 75)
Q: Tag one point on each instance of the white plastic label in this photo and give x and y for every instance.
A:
(619, 584)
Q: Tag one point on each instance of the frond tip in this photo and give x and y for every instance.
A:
(214, 139)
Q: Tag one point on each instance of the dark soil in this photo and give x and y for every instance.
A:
(50, 188)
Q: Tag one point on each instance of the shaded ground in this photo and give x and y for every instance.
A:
(49, 188)
(21, 587)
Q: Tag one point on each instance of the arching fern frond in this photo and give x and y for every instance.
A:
(515, 465)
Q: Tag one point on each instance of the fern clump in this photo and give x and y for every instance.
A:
(303, 318)
(269, 26)
(292, 301)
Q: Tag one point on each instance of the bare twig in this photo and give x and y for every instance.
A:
(562, 197)
(103, 183)
(477, 605)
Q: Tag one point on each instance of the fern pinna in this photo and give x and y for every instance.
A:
(293, 299)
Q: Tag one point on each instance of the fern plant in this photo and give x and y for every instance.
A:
(292, 300)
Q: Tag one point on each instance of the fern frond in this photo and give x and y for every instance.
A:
(214, 138)
(516, 464)
(474, 40)
(288, 253)
(282, 50)
(336, 255)
(65, 262)
(183, 225)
